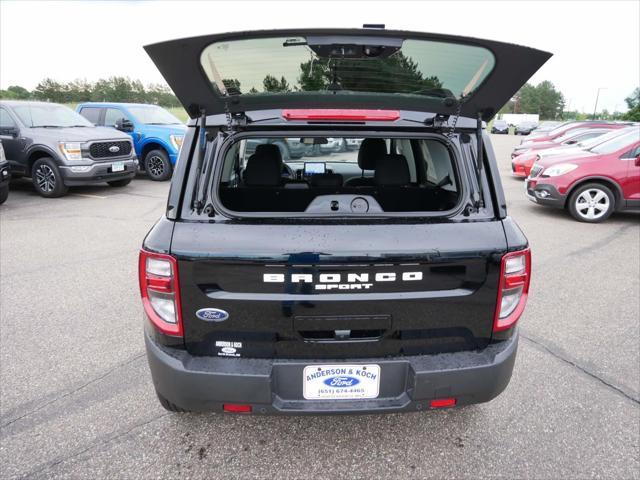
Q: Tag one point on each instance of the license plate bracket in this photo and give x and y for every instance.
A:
(341, 382)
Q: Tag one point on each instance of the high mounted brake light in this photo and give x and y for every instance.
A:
(515, 275)
(341, 115)
(160, 291)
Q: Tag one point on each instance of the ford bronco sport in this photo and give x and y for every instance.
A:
(383, 279)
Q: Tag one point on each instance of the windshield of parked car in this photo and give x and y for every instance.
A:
(153, 116)
(592, 142)
(50, 116)
(617, 143)
(570, 134)
(296, 65)
(562, 128)
(549, 125)
(499, 123)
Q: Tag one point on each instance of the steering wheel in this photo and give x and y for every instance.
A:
(288, 171)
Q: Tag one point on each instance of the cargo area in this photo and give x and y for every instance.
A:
(340, 175)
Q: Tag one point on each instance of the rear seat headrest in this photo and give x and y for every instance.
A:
(263, 171)
(371, 149)
(392, 170)
(269, 149)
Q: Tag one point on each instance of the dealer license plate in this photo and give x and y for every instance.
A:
(117, 167)
(340, 382)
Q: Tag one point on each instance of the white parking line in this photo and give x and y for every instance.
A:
(88, 195)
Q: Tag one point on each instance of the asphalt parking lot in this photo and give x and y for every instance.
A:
(77, 399)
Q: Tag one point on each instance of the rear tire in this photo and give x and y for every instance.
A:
(592, 203)
(167, 405)
(158, 166)
(46, 178)
(120, 183)
(4, 194)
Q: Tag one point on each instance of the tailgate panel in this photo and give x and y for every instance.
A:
(397, 289)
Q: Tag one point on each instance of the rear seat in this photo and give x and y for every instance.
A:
(264, 189)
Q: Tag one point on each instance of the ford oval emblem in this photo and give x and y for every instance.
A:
(341, 381)
(114, 149)
(212, 315)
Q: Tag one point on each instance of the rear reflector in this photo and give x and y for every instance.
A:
(235, 408)
(341, 114)
(160, 291)
(515, 276)
(443, 402)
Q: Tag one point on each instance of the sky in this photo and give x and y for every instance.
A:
(596, 44)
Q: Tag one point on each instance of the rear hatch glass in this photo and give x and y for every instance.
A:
(330, 66)
(344, 68)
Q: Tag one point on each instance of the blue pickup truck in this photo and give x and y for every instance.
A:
(157, 134)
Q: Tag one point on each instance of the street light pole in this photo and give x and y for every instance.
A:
(595, 108)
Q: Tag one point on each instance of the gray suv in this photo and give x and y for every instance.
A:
(59, 148)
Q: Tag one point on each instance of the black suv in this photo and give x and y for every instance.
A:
(59, 148)
(5, 176)
(385, 279)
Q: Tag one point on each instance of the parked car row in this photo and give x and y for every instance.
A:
(591, 169)
(101, 142)
(523, 128)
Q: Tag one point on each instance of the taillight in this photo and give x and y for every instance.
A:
(341, 114)
(515, 275)
(160, 291)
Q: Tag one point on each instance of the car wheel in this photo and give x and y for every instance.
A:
(157, 165)
(592, 203)
(120, 183)
(167, 405)
(46, 178)
(4, 194)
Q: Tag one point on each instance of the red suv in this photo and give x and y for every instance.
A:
(593, 184)
(571, 142)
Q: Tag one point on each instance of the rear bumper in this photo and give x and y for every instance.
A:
(274, 386)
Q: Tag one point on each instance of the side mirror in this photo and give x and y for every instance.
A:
(124, 125)
(12, 131)
(637, 162)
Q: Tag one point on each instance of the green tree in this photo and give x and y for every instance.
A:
(79, 90)
(161, 94)
(272, 84)
(232, 85)
(396, 73)
(19, 93)
(50, 90)
(633, 102)
(542, 99)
